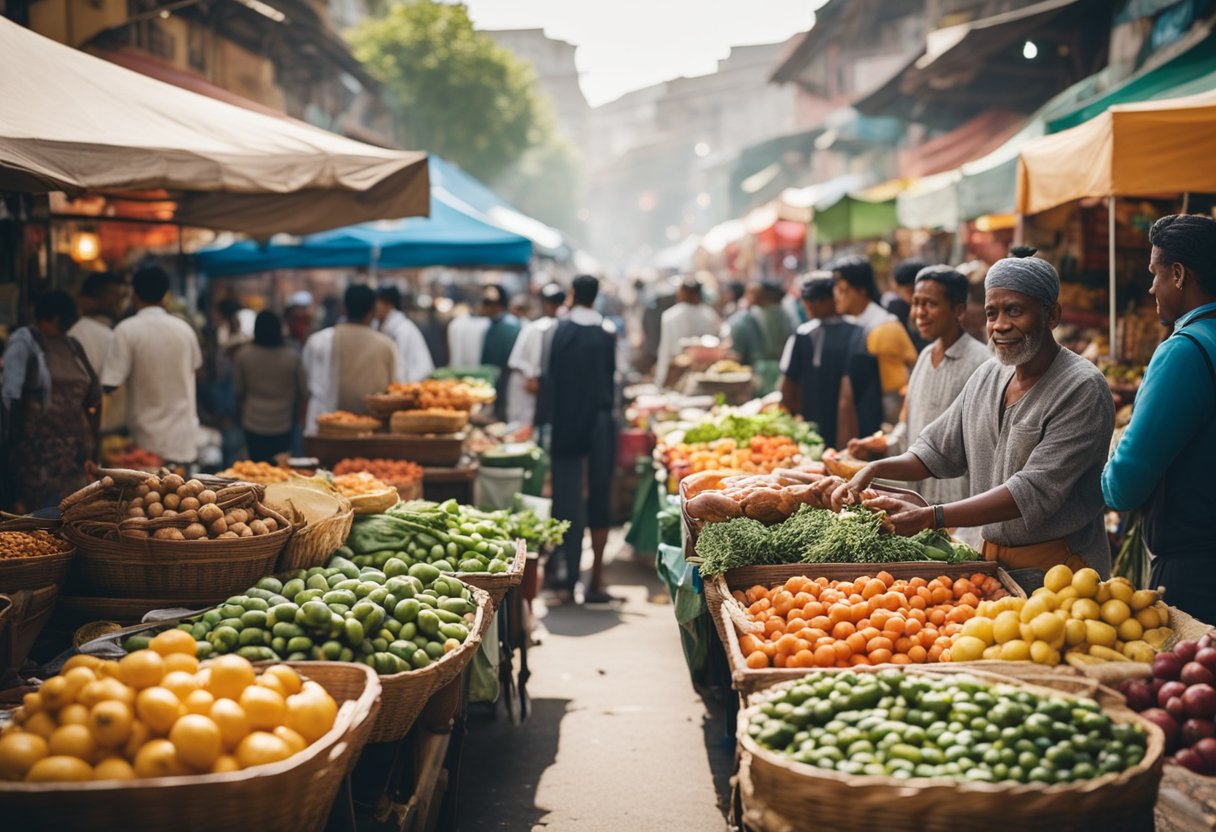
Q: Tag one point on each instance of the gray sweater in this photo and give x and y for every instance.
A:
(1048, 451)
(270, 385)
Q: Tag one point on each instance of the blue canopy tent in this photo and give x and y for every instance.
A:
(455, 234)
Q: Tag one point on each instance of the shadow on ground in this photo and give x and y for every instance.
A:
(502, 765)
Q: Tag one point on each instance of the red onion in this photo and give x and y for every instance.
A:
(1167, 725)
(1168, 691)
(1207, 750)
(1194, 730)
(1199, 701)
(1192, 760)
(1207, 657)
(1186, 650)
(1193, 673)
(1167, 666)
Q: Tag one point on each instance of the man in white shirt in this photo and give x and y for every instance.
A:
(526, 357)
(102, 298)
(413, 356)
(689, 318)
(466, 337)
(156, 356)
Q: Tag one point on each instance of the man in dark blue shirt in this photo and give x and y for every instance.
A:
(1165, 459)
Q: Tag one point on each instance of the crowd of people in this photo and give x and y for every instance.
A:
(1007, 442)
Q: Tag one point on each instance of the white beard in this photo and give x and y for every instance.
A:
(1023, 352)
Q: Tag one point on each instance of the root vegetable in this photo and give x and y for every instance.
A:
(1168, 691)
(1193, 673)
(153, 483)
(217, 527)
(173, 482)
(169, 513)
(195, 531)
(171, 501)
(206, 496)
(154, 509)
(142, 490)
(1199, 701)
(238, 527)
(228, 536)
(239, 515)
(169, 533)
(136, 511)
(210, 513)
(258, 527)
(190, 503)
(271, 524)
(136, 503)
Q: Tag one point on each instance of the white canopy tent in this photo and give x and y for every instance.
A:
(72, 122)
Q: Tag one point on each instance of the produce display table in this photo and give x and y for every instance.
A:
(423, 449)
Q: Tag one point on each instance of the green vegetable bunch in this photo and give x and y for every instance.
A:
(743, 428)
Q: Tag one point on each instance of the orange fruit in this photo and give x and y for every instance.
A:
(104, 689)
(140, 734)
(230, 675)
(294, 741)
(264, 708)
(141, 669)
(311, 712)
(230, 718)
(199, 702)
(73, 741)
(174, 641)
(260, 748)
(225, 762)
(81, 660)
(271, 683)
(74, 714)
(180, 683)
(113, 768)
(42, 724)
(59, 768)
(158, 708)
(19, 750)
(197, 740)
(181, 661)
(158, 758)
(110, 721)
(77, 678)
(55, 693)
(755, 660)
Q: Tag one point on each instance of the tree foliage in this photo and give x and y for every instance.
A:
(453, 90)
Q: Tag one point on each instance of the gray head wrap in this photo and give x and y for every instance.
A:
(1028, 275)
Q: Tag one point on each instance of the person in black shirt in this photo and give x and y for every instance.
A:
(830, 378)
(577, 390)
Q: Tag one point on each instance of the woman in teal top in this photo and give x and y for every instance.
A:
(1167, 457)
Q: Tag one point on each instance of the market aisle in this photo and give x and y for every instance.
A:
(617, 738)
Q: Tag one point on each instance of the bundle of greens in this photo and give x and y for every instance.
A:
(816, 535)
(743, 428)
(540, 534)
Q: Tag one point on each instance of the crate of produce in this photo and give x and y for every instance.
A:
(792, 773)
(289, 794)
(31, 559)
(141, 535)
(760, 658)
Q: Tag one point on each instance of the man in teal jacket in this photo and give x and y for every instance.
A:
(1166, 459)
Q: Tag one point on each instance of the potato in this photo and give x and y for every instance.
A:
(169, 513)
(142, 490)
(195, 531)
(136, 503)
(190, 503)
(154, 509)
(210, 513)
(153, 483)
(206, 496)
(136, 511)
(228, 536)
(172, 482)
(171, 500)
(238, 527)
(189, 515)
(168, 534)
(239, 515)
(195, 487)
(271, 524)
(258, 527)
(217, 527)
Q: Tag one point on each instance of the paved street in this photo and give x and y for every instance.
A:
(617, 738)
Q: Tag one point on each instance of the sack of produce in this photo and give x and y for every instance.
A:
(914, 749)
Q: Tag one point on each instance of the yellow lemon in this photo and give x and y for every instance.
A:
(59, 768)
(110, 721)
(199, 702)
(1058, 577)
(73, 741)
(230, 675)
(1047, 627)
(141, 669)
(993, 653)
(158, 708)
(1015, 651)
(1086, 581)
(74, 714)
(1100, 633)
(1043, 653)
(981, 628)
(967, 649)
(225, 762)
(264, 708)
(197, 740)
(113, 768)
(180, 662)
(42, 724)
(1085, 609)
(1143, 598)
(232, 722)
(1130, 630)
(19, 750)
(174, 641)
(1121, 589)
(261, 747)
(180, 683)
(1114, 612)
(55, 693)
(1074, 632)
(1006, 627)
(158, 758)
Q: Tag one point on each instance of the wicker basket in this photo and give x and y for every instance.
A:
(406, 694)
(28, 573)
(432, 420)
(376, 502)
(28, 613)
(314, 544)
(344, 429)
(496, 585)
(781, 794)
(295, 794)
(384, 405)
(719, 588)
(147, 568)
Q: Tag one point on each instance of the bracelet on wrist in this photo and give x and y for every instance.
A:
(939, 517)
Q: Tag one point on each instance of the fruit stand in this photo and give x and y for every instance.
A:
(341, 601)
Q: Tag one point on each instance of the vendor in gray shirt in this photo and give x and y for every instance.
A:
(939, 304)
(1032, 432)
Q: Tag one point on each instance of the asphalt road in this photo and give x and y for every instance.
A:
(617, 738)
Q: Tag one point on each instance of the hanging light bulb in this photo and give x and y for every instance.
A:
(85, 246)
(1029, 50)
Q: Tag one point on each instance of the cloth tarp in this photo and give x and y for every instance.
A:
(73, 122)
(455, 234)
(930, 203)
(854, 219)
(1144, 149)
(1192, 72)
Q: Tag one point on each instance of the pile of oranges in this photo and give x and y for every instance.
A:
(758, 455)
(870, 620)
(160, 713)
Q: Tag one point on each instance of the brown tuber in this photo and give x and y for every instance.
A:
(190, 504)
(217, 527)
(154, 509)
(169, 533)
(195, 531)
(206, 496)
(210, 513)
(171, 500)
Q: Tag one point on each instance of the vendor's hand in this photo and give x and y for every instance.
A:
(849, 493)
(532, 385)
(868, 447)
(908, 518)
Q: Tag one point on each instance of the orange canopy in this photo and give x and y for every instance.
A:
(1141, 149)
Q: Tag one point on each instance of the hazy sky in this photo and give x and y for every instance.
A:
(624, 45)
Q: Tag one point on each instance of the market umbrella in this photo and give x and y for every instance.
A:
(73, 122)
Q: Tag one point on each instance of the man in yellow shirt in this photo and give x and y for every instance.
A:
(856, 296)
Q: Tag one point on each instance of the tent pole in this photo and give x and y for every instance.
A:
(1110, 211)
(1186, 201)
